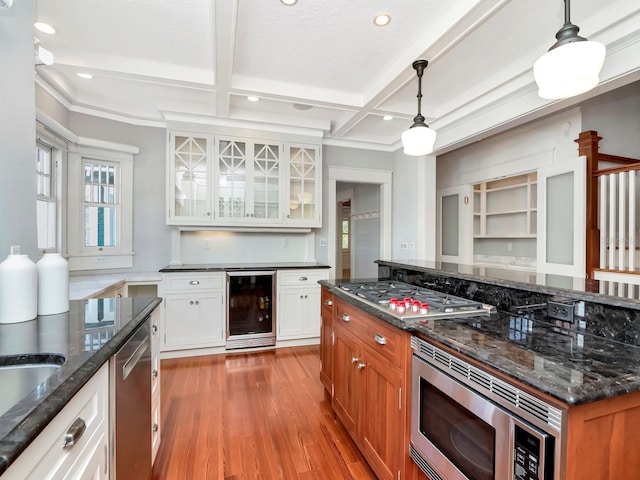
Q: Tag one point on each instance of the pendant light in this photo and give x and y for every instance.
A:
(572, 64)
(419, 138)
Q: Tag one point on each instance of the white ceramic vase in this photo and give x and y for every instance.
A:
(53, 284)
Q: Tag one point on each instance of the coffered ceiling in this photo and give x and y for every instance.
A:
(318, 66)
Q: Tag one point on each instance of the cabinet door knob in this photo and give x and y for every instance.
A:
(354, 359)
(154, 374)
(74, 433)
(190, 302)
(328, 303)
(346, 317)
(361, 366)
(155, 428)
(208, 214)
(154, 328)
(194, 282)
(197, 302)
(380, 340)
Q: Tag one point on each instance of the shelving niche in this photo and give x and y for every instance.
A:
(506, 208)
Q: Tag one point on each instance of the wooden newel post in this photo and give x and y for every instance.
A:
(588, 146)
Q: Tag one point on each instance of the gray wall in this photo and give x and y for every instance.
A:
(17, 130)
(151, 236)
(616, 118)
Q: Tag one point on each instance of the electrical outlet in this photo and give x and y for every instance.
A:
(323, 242)
(560, 311)
(403, 246)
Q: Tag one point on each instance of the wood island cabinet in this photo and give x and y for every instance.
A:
(371, 368)
(326, 339)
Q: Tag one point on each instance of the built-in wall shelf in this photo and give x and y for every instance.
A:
(506, 207)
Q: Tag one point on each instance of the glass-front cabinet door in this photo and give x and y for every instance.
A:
(304, 199)
(189, 179)
(267, 174)
(249, 178)
(231, 164)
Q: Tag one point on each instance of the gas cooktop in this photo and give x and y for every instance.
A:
(409, 302)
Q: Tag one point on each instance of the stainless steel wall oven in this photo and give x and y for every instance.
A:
(251, 309)
(467, 424)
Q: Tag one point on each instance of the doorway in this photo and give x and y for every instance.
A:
(343, 260)
(379, 180)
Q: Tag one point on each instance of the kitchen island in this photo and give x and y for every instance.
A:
(588, 367)
(81, 341)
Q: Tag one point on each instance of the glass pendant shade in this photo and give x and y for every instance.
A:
(569, 69)
(418, 140)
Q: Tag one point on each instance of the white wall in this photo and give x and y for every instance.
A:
(17, 130)
(414, 207)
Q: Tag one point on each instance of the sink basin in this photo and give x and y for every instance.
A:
(22, 374)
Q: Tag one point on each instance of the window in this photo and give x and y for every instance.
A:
(101, 203)
(345, 234)
(47, 202)
(100, 206)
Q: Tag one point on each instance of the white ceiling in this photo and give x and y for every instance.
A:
(157, 60)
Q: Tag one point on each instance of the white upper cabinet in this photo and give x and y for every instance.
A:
(189, 192)
(232, 181)
(249, 181)
(304, 182)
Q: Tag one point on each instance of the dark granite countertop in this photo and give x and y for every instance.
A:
(223, 267)
(84, 339)
(553, 357)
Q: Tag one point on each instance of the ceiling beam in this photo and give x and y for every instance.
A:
(224, 29)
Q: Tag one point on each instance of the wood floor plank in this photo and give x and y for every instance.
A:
(252, 416)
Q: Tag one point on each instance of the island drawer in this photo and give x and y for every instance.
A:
(385, 340)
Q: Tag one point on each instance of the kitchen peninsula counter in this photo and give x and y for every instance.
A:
(81, 340)
(560, 359)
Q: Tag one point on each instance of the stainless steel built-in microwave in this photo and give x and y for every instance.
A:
(458, 433)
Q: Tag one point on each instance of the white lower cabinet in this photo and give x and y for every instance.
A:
(47, 458)
(298, 308)
(193, 311)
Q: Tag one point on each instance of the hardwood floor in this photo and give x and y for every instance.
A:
(262, 415)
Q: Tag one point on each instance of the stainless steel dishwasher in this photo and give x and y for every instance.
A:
(131, 377)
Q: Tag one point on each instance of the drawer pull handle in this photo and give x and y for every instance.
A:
(346, 317)
(74, 433)
(328, 303)
(154, 374)
(361, 366)
(194, 282)
(380, 340)
(303, 279)
(354, 359)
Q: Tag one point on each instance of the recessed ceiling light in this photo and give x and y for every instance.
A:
(288, 3)
(44, 28)
(84, 75)
(382, 19)
(253, 98)
(387, 117)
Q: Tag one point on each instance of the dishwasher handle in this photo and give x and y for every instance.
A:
(132, 361)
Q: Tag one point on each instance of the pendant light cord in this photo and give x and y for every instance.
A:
(419, 66)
